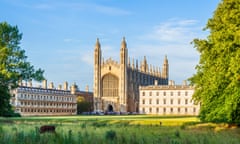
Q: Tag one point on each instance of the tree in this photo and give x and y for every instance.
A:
(83, 105)
(13, 65)
(217, 79)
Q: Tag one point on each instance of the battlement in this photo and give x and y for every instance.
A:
(110, 61)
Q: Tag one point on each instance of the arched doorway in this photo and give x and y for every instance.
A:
(110, 108)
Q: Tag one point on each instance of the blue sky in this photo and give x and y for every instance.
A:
(59, 35)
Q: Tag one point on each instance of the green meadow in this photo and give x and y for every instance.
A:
(131, 129)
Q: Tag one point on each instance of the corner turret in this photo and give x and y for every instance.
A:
(123, 74)
(145, 65)
(97, 45)
(97, 75)
(165, 68)
(123, 44)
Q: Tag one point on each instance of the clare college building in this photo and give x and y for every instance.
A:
(116, 84)
(44, 100)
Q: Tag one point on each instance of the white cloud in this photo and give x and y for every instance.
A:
(171, 38)
(187, 22)
(174, 31)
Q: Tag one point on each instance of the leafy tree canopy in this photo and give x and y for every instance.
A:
(13, 64)
(83, 105)
(217, 79)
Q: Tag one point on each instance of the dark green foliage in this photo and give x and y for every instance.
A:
(110, 135)
(13, 65)
(217, 80)
(83, 106)
(99, 124)
(83, 125)
(177, 133)
(5, 107)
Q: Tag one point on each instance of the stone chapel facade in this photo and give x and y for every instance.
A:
(116, 84)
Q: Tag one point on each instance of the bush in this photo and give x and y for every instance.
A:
(110, 135)
(16, 115)
(83, 125)
(177, 133)
(99, 124)
(12, 115)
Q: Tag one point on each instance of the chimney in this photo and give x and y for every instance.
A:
(44, 84)
(73, 88)
(60, 87)
(30, 83)
(20, 83)
(184, 83)
(171, 83)
(87, 88)
(65, 86)
(51, 86)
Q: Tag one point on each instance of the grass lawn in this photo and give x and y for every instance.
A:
(116, 129)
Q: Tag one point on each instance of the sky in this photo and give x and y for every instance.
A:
(59, 36)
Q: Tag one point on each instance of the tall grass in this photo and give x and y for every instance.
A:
(114, 130)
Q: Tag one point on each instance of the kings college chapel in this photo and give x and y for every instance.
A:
(116, 84)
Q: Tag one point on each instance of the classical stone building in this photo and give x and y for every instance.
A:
(37, 101)
(116, 84)
(168, 100)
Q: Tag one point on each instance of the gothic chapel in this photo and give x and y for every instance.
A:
(116, 84)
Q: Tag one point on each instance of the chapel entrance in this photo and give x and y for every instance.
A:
(110, 108)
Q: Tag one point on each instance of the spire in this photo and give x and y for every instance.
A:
(145, 60)
(133, 63)
(145, 66)
(159, 72)
(165, 60)
(129, 63)
(124, 53)
(154, 72)
(141, 66)
(123, 44)
(98, 45)
(151, 71)
(165, 68)
(137, 64)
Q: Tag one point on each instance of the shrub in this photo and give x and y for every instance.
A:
(83, 125)
(99, 124)
(12, 115)
(1, 130)
(177, 133)
(110, 135)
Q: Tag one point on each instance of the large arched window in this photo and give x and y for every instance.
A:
(109, 86)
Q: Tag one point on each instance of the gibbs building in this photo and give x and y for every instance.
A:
(116, 84)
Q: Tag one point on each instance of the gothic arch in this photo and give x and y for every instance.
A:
(110, 84)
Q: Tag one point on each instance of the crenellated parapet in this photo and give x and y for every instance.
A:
(145, 68)
(110, 61)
